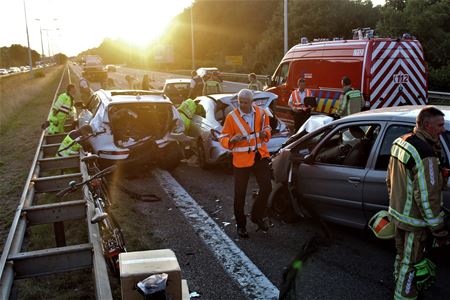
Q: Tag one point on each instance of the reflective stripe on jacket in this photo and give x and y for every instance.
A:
(72, 150)
(244, 151)
(188, 107)
(352, 101)
(414, 184)
(297, 100)
(255, 85)
(212, 87)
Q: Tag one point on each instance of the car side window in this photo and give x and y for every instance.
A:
(349, 146)
(306, 146)
(392, 132)
(93, 104)
(282, 74)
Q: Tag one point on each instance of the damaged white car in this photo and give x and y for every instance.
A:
(136, 127)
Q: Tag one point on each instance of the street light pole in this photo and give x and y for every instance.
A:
(42, 44)
(192, 38)
(28, 40)
(285, 26)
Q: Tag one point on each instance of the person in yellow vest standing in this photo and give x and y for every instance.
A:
(212, 86)
(62, 111)
(300, 111)
(254, 84)
(352, 100)
(245, 133)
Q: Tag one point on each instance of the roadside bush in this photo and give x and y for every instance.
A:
(39, 74)
(440, 78)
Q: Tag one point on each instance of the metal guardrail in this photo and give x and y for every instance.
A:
(439, 96)
(15, 264)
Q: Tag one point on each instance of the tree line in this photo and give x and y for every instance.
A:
(17, 55)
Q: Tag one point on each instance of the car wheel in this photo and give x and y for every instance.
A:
(282, 206)
(172, 157)
(202, 162)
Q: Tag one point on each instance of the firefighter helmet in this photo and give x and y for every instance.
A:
(381, 225)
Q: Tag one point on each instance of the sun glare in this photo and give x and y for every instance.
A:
(145, 22)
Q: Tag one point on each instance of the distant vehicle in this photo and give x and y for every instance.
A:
(3, 72)
(110, 68)
(93, 69)
(389, 72)
(202, 72)
(13, 70)
(134, 127)
(177, 89)
(205, 130)
(339, 170)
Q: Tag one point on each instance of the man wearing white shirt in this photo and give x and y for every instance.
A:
(300, 111)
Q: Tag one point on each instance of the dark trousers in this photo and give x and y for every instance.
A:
(300, 117)
(261, 170)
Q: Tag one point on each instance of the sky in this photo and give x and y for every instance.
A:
(73, 26)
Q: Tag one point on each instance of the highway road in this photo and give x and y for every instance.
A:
(195, 219)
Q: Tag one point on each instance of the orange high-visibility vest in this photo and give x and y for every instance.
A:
(244, 151)
(297, 101)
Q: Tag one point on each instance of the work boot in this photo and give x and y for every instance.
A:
(242, 232)
(261, 223)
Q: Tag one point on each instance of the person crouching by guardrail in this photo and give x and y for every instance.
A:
(74, 141)
(62, 111)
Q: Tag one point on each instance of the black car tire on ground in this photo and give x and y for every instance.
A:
(172, 157)
(282, 206)
(201, 155)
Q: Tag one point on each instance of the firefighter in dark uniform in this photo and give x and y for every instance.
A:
(415, 182)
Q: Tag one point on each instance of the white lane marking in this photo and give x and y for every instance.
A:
(240, 268)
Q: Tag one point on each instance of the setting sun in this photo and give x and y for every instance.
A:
(74, 26)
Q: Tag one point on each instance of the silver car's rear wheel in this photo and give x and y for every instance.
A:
(202, 162)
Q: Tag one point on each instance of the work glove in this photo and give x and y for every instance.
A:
(425, 274)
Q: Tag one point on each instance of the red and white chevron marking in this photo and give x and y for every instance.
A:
(397, 74)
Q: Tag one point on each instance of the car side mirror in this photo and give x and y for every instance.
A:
(215, 135)
(309, 159)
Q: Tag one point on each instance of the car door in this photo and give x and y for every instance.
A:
(330, 182)
(375, 190)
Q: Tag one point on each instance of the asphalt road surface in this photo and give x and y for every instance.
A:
(195, 219)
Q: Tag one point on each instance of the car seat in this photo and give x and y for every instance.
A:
(357, 156)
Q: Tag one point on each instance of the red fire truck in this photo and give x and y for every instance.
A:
(388, 72)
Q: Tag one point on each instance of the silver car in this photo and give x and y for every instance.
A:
(205, 129)
(339, 170)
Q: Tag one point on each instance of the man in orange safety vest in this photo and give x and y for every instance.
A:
(245, 133)
(300, 110)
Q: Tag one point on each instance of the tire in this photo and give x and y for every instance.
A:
(202, 155)
(282, 206)
(172, 157)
